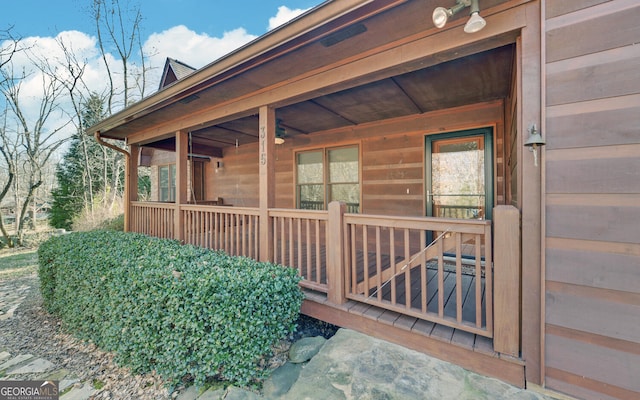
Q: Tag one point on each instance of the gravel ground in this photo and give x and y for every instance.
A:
(32, 330)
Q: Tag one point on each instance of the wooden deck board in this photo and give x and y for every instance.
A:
(468, 350)
(389, 317)
(405, 322)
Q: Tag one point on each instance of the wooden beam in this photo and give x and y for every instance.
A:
(267, 177)
(131, 182)
(530, 98)
(335, 256)
(506, 267)
(182, 149)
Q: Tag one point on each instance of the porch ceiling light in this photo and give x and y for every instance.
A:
(280, 132)
(441, 15)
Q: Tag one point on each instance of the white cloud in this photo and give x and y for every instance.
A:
(194, 49)
(285, 14)
(179, 42)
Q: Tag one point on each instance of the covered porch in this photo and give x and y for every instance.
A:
(380, 274)
(379, 251)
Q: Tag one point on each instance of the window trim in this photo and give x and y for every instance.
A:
(325, 173)
(171, 184)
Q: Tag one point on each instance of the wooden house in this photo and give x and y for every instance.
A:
(412, 186)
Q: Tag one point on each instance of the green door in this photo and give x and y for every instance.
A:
(460, 175)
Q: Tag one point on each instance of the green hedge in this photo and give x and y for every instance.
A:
(182, 311)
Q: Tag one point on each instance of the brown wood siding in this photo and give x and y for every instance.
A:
(592, 203)
(392, 160)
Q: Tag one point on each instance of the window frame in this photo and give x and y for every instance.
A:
(171, 184)
(326, 183)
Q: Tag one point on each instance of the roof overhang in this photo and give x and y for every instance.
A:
(342, 63)
(274, 43)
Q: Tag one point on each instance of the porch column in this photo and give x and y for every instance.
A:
(335, 253)
(506, 267)
(267, 176)
(182, 144)
(530, 98)
(131, 183)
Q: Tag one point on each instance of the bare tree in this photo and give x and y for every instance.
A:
(7, 147)
(33, 138)
(118, 27)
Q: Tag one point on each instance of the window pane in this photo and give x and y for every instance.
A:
(347, 192)
(163, 173)
(343, 165)
(310, 167)
(163, 183)
(311, 197)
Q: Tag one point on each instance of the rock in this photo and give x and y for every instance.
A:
(234, 393)
(39, 365)
(305, 348)
(191, 393)
(355, 366)
(213, 394)
(82, 393)
(17, 360)
(281, 380)
(4, 356)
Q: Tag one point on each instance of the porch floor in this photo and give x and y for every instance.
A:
(411, 324)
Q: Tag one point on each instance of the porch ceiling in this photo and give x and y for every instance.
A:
(480, 77)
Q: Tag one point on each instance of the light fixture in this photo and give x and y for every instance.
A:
(280, 132)
(535, 140)
(219, 166)
(475, 22)
(441, 15)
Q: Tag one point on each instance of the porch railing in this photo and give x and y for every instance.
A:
(231, 229)
(300, 241)
(435, 269)
(153, 219)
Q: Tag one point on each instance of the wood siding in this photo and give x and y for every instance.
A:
(592, 203)
(392, 160)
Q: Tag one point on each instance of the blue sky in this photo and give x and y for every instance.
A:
(213, 17)
(196, 32)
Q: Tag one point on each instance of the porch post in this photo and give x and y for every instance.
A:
(182, 144)
(506, 267)
(267, 176)
(335, 253)
(530, 98)
(131, 184)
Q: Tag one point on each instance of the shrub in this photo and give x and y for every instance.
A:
(183, 311)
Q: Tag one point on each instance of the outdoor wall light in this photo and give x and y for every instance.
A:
(475, 23)
(535, 140)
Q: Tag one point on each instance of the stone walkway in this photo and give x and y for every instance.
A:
(350, 365)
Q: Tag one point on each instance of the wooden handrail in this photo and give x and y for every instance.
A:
(333, 249)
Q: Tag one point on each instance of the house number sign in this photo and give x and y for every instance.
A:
(263, 145)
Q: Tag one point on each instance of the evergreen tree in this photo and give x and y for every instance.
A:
(78, 173)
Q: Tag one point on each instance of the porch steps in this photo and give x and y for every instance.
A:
(473, 352)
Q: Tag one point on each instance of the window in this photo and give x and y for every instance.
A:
(328, 175)
(167, 182)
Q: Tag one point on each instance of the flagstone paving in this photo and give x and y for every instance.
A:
(349, 365)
